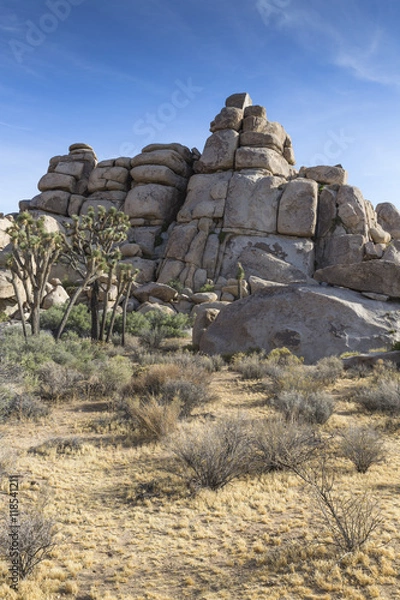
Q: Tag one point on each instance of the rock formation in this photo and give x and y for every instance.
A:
(196, 217)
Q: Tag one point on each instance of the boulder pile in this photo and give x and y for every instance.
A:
(234, 222)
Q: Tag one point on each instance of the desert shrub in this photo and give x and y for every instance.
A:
(58, 445)
(363, 446)
(58, 382)
(350, 518)
(172, 325)
(189, 362)
(36, 540)
(213, 363)
(283, 357)
(168, 382)
(153, 418)
(149, 382)
(21, 407)
(114, 374)
(79, 321)
(313, 407)
(383, 397)
(281, 445)
(212, 455)
(28, 353)
(152, 337)
(251, 367)
(327, 370)
(189, 394)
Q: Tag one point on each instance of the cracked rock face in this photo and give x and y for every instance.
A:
(311, 321)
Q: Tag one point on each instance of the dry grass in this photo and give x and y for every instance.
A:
(130, 529)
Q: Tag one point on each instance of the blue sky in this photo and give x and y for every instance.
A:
(119, 75)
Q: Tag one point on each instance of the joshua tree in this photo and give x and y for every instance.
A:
(34, 251)
(91, 249)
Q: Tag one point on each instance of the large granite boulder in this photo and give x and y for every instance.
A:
(377, 276)
(312, 321)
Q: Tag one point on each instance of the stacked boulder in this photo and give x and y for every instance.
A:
(65, 184)
(108, 185)
(160, 176)
(239, 220)
(244, 205)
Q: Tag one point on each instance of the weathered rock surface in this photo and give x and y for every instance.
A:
(389, 218)
(246, 204)
(381, 277)
(152, 203)
(262, 158)
(298, 208)
(57, 296)
(312, 322)
(4, 237)
(219, 152)
(267, 255)
(252, 203)
(325, 175)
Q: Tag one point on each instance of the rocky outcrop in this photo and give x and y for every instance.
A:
(311, 321)
(234, 219)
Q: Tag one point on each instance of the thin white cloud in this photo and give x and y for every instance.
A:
(12, 126)
(356, 43)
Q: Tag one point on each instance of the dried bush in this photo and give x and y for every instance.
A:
(327, 370)
(36, 540)
(150, 381)
(281, 445)
(187, 362)
(251, 367)
(21, 407)
(383, 397)
(350, 519)
(213, 455)
(189, 394)
(58, 382)
(153, 419)
(363, 446)
(58, 445)
(313, 407)
(185, 381)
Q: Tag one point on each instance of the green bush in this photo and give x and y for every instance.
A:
(137, 323)
(27, 353)
(79, 320)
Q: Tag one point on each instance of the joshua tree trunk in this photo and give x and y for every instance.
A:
(94, 310)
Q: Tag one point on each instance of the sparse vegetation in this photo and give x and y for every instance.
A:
(192, 462)
(281, 445)
(363, 446)
(36, 540)
(313, 407)
(383, 397)
(215, 454)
